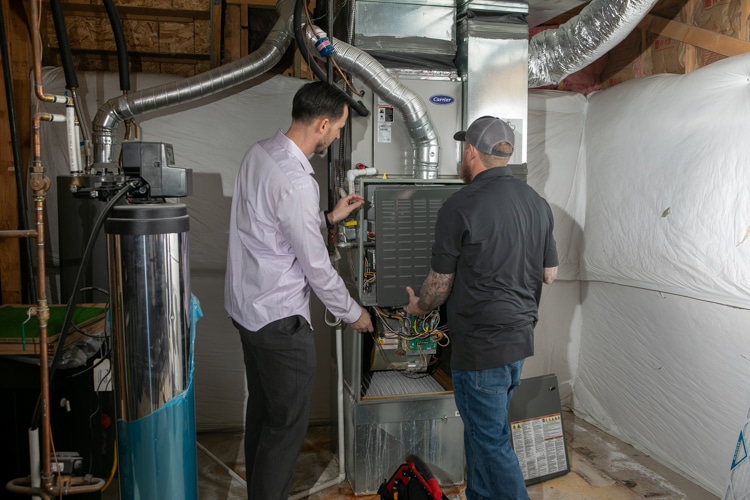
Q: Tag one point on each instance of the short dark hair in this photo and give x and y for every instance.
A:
(318, 100)
(492, 161)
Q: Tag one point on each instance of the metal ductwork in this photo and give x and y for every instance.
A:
(422, 32)
(118, 109)
(387, 87)
(553, 54)
(493, 55)
(601, 25)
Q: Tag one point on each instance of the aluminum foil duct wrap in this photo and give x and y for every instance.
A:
(601, 25)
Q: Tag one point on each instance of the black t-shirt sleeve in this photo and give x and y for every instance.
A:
(550, 254)
(449, 230)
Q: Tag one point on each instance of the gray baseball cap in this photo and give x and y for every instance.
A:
(485, 132)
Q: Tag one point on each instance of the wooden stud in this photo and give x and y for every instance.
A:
(268, 4)
(642, 56)
(233, 32)
(129, 13)
(20, 57)
(698, 37)
(690, 52)
(244, 30)
(216, 23)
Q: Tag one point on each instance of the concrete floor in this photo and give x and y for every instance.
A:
(601, 468)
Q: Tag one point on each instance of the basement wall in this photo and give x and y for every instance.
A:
(646, 327)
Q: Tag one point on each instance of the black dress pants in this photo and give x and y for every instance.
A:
(280, 362)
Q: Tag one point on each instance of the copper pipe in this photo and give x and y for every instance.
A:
(42, 314)
(68, 486)
(36, 136)
(39, 184)
(36, 44)
(36, 143)
(17, 233)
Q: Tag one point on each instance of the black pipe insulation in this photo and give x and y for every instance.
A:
(122, 51)
(29, 288)
(71, 81)
(357, 106)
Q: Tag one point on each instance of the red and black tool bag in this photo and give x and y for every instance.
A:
(412, 481)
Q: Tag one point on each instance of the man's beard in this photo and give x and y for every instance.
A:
(321, 147)
(465, 173)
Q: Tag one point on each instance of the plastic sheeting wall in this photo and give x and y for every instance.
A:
(646, 327)
(665, 359)
(556, 121)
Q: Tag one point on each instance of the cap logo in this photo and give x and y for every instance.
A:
(441, 99)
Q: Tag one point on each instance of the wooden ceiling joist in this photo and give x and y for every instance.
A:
(697, 37)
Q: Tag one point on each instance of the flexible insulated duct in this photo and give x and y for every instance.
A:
(600, 26)
(118, 109)
(553, 54)
(391, 90)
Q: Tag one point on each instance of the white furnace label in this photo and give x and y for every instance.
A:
(539, 445)
(385, 123)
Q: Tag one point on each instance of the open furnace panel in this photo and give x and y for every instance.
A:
(395, 245)
(405, 356)
(400, 394)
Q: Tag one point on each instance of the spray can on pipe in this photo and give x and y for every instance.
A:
(323, 44)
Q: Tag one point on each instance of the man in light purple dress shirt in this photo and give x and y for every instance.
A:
(276, 255)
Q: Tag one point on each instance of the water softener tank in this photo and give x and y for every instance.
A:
(150, 293)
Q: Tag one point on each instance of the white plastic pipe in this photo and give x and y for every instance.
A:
(58, 99)
(73, 141)
(358, 172)
(36, 476)
(78, 145)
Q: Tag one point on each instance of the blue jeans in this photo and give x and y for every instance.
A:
(483, 398)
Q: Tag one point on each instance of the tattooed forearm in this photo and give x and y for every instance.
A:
(435, 290)
(550, 275)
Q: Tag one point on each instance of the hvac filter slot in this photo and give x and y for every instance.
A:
(382, 384)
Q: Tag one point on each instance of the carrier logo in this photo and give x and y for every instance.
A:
(441, 99)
